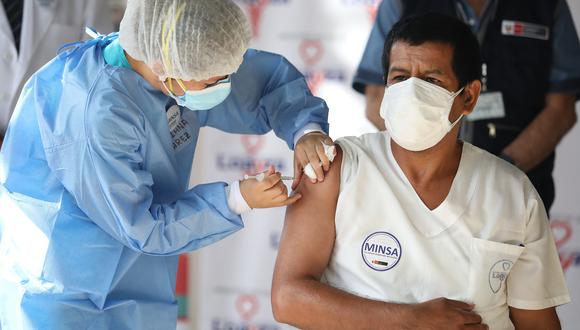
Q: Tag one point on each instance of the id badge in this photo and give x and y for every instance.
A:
(489, 105)
(179, 128)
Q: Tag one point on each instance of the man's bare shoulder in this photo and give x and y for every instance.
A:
(326, 189)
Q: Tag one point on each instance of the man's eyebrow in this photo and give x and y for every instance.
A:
(434, 71)
(398, 69)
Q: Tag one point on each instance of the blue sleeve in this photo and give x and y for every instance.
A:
(370, 68)
(268, 92)
(104, 174)
(565, 70)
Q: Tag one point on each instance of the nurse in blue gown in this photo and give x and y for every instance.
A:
(94, 170)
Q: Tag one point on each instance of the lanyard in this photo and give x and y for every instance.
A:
(488, 15)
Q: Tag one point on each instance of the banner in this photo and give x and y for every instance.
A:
(233, 276)
(324, 39)
(230, 281)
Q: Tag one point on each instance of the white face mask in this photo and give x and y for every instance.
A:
(416, 113)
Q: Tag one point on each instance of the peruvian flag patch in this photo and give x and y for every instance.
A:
(524, 29)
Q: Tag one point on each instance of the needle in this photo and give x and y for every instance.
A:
(260, 177)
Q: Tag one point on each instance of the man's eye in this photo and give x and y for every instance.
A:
(399, 78)
(433, 81)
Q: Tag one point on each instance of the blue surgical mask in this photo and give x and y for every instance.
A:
(206, 98)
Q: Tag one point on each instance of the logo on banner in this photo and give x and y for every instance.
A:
(372, 10)
(563, 232)
(314, 80)
(498, 274)
(255, 10)
(249, 163)
(247, 306)
(252, 143)
(311, 51)
(381, 251)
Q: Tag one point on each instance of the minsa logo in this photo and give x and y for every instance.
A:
(381, 251)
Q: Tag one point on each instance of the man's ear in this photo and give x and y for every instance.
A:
(470, 96)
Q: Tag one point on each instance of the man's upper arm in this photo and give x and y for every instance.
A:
(544, 319)
(308, 237)
(538, 266)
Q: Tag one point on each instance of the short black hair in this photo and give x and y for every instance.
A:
(432, 27)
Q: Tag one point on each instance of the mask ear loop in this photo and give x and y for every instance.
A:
(169, 90)
(180, 83)
(460, 116)
(454, 95)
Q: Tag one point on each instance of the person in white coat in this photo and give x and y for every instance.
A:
(31, 32)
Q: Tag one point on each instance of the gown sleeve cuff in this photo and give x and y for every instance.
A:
(236, 201)
(308, 128)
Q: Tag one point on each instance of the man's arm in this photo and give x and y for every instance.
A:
(543, 319)
(300, 299)
(543, 134)
(374, 97)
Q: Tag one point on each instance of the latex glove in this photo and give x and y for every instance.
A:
(310, 150)
(329, 151)
(268, 192)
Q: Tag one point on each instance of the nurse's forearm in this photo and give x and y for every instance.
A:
(544, 133)
(309, 304)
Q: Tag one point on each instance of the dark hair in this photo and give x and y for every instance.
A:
(416, 30)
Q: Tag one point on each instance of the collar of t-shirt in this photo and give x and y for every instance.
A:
(433, 222)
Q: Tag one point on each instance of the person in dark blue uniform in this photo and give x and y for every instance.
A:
(531, 77)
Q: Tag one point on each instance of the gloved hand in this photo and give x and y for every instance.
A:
(269, 192)
(310, 149)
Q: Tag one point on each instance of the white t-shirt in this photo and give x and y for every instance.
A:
(488, 243)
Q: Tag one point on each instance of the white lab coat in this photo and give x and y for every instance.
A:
(46, 25)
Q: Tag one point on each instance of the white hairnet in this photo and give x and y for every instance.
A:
(185, 39)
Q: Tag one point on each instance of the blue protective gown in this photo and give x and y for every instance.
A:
(94, 205)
